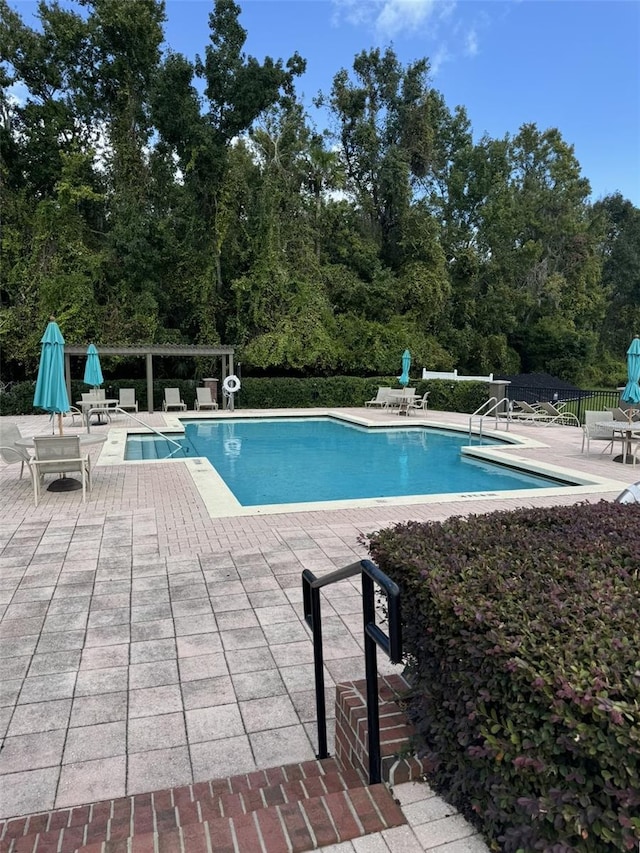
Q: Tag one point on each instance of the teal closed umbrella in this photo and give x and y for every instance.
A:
(51, 391)
(631, 393)
(406, 364)
(92, 370)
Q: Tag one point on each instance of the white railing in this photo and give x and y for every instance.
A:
(102, 410)
(453, 376)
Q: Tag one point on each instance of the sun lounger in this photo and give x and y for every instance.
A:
(554, 415)
(382, 397)
(520, 410)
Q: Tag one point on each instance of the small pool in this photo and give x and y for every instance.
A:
(311, 459)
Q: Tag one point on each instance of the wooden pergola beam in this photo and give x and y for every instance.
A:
(148, 352)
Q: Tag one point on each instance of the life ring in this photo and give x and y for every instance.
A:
(231, 384)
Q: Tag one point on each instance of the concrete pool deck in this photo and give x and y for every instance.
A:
(147, 642)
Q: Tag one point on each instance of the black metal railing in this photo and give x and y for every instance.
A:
(373, 637)
(578, 401)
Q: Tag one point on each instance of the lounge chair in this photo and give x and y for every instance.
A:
(127, 399)
(204, 399)
(382, 397)
(10, 453)
(59, 454)
(620, 414)
(520, 410)
(592, 430)
(172, 400)
(554, 415)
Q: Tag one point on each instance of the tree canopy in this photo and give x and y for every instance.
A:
(147, 198)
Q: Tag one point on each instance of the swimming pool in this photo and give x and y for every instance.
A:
(275, 461)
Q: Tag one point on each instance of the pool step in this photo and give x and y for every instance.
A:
(286, 809)
(151, 448)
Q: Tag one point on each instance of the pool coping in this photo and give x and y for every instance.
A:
(220, 502)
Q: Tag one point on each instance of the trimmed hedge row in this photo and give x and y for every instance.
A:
(276, 393)
(19, 399)
(522, 640)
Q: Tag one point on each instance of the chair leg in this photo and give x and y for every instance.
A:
(35, 477)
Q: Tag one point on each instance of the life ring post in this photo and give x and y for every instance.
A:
(230, 386)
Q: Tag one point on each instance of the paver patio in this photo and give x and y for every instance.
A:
(146, 645)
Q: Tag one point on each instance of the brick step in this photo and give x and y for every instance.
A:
(160, 813)
(294, 827)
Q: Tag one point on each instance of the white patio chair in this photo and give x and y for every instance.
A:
(127, 399)
(59, 454)
(593, 430)
(10, 453)
(421, 402)
(172, 400)
(204, 399)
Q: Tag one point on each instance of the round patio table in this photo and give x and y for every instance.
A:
(626, 428)
(96, 407)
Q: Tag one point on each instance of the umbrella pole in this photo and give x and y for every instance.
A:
(60, 423)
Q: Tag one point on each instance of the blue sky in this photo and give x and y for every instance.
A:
(570, 64)
(556, 63)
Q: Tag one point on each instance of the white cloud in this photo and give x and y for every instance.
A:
(447, 29)
(471, 46)
(438, 59)
(390, 18)
(403, 16)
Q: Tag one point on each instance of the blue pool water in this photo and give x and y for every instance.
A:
(297, 460)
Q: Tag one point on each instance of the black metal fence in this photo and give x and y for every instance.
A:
(577, 401)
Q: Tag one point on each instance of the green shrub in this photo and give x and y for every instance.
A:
(272, 393)
(522, 640)
(18, 400)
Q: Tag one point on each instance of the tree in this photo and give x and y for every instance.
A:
(237, 89)
(621, 270)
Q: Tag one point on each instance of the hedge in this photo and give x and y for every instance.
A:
(280, 392)
(522, 636)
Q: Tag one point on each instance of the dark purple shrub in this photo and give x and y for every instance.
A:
(522, 640)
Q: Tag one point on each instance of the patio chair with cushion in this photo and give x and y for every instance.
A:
(204, 399)
(59, 454)
(172, 400)
(10, 453)
(127, 399)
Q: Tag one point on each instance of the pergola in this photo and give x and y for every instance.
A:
(148, 352)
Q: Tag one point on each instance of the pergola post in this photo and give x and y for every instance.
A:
(149, 360)
(67, 375)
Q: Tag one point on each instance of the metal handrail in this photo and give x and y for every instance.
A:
(373, 636)
(490, 408)
(100, 409)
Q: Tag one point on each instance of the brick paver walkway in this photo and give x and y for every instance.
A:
(145, 645)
